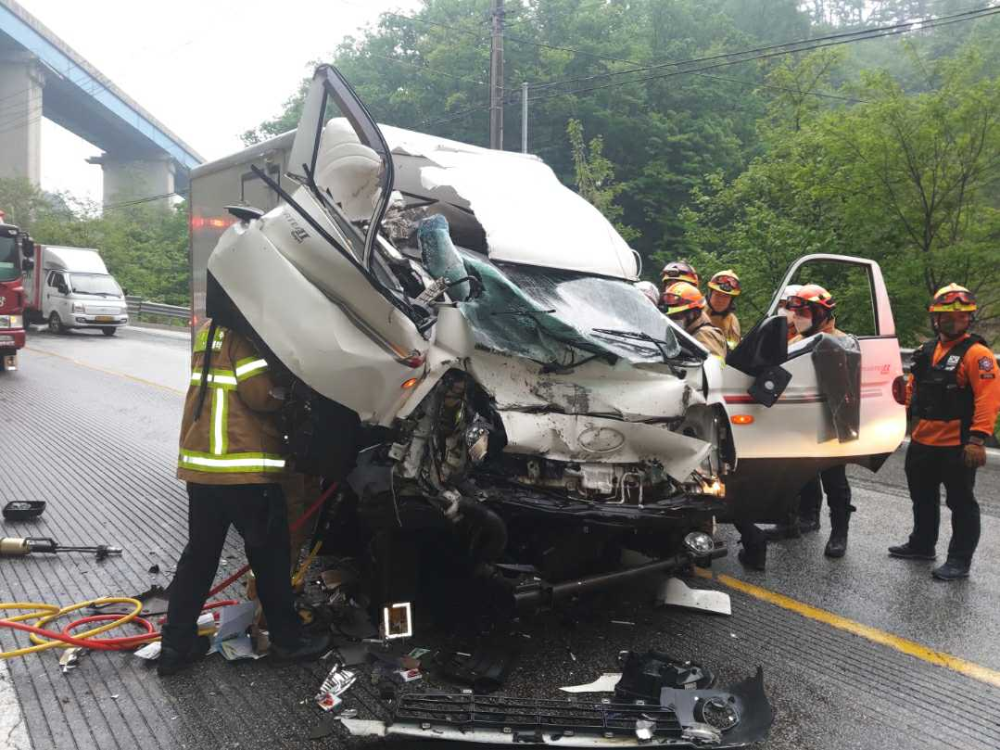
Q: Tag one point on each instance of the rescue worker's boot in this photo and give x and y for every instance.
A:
(840, 520)
(754, 542)
(953, 570)
(172, 661)
(809, 521)
(790, 529)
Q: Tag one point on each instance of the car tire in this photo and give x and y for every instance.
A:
(109, 331)
(56, 324)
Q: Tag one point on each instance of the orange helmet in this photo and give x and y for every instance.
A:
(681, 296)
(726, 282)
(953, 298)
(811, 294)
(679, 270)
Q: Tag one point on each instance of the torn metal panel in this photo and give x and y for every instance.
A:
(570, 437)
(631, 393)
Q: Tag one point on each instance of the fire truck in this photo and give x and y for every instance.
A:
(16, 251)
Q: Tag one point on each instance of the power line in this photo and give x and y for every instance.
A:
(426, 68)
(733, 62)
(838, 39)
(876, 32)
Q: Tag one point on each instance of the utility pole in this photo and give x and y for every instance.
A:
(496, 75)
(524, 117)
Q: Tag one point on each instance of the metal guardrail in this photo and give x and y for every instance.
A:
(137, 306)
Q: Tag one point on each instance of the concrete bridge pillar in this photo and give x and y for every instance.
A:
(21, 83)
(130, 179)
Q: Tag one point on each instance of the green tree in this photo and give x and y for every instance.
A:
(595, 178)
(906, 180)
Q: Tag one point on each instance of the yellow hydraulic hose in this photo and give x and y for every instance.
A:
(57, 612)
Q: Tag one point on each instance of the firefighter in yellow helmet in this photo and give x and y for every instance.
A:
(723, 289)
(232, 457)
(685, 305)
(954, 393)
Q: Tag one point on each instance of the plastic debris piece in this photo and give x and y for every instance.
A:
(234, 621)
(603, 684)
(407, 675)
(237, 648)
(622, 622)
(352, 654)
(69, 660)
(150, 651)
(675, 593)
(335, 685)
(644, 729)
(154, 569)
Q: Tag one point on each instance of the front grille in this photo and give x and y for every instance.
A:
(521, 716)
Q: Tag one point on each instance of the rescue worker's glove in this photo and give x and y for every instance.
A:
(974, 455)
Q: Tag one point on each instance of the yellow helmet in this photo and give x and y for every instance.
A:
(726, 282)
(953, 298)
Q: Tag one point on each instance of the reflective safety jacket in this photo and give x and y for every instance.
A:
(729, 324)
(235, 439)
(709, 336)
(953, 391)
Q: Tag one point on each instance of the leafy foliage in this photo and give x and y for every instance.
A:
(144, 246)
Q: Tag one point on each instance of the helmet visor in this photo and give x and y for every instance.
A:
(958, 300)
(726, 284)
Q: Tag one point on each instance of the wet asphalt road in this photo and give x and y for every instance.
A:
(99, 418)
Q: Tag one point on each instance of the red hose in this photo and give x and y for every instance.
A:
(294, 527)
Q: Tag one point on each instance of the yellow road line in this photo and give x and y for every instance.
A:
(106, 372)
(903, 645)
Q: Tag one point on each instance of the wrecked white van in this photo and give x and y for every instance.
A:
(467, 354)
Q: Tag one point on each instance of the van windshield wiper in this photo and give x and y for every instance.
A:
(660, 344)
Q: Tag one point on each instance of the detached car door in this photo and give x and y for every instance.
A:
(779, 447)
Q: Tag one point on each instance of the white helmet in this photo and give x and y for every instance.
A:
(790, 290)
(649, 289)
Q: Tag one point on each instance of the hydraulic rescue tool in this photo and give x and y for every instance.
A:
(22, 546)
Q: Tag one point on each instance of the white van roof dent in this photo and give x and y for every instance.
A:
(515, 198)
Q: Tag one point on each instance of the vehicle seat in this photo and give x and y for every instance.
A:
(349, 169)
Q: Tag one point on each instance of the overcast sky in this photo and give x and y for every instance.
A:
(207, 69)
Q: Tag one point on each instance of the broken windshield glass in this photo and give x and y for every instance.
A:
(550, 316)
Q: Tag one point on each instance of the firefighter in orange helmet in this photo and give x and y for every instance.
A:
(685, 305)
(723, 289)
(813, 311)
(954, 393)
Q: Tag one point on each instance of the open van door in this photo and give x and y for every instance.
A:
(787, 403)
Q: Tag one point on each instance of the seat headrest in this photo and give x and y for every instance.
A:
(349, 169)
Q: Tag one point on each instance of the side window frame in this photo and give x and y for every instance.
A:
(885, 325)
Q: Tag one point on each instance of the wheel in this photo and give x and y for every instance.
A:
(56, 324)
(109, 331)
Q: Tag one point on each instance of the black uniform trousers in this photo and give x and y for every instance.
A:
(927, 468)
(258, 513)
(834, 483)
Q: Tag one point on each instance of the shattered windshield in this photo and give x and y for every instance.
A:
(85, 283)
(562, 319)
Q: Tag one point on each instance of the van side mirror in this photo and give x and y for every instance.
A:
(27, 246)
(63, 289)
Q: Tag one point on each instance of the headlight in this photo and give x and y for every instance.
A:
(4, 321)
(699, 543)
(17, 321)
(78, 308)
